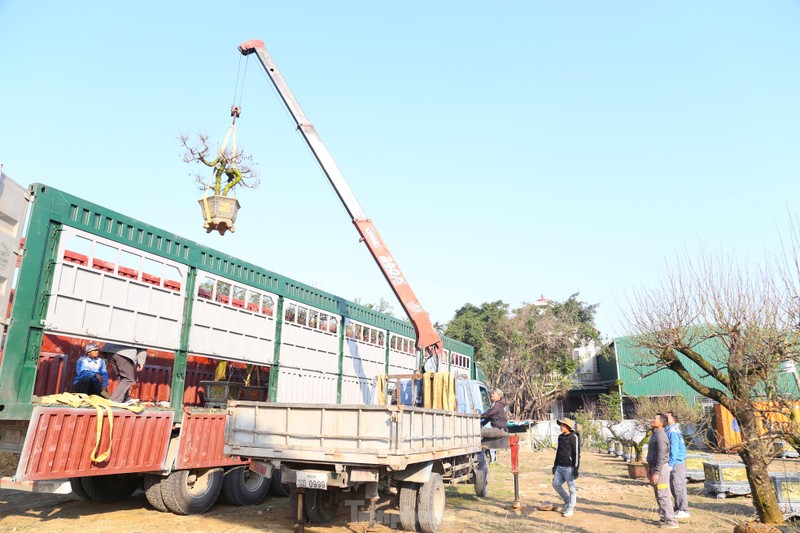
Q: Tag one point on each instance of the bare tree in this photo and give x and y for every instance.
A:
(235, 166)
(383, 305)
(644, 409)
(724, 327)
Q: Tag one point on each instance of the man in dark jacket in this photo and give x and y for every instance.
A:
(566, 464)
(496, 416)
(658, 463)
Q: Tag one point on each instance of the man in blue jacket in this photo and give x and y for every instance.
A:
(91, 375)
(677, 465)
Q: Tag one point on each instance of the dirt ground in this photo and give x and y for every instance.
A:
(607, 502)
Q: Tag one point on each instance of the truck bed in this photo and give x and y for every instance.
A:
(375, 435)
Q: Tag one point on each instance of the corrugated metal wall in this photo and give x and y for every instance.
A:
(638, 379)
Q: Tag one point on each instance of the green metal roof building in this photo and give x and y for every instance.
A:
(628, 366)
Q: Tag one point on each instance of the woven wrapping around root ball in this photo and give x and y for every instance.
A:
(755, 527)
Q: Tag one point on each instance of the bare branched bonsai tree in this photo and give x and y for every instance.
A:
(609, 409)
(725, 328)
(236, 167)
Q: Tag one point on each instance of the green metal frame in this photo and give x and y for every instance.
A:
(276, 358)
(179, 365)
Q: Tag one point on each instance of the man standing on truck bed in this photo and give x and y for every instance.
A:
(127, 361)
(496, 416)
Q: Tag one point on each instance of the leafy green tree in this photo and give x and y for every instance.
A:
(478, 327)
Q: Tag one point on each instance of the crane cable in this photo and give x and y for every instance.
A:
(236, 110)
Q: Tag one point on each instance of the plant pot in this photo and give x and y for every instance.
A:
(219, 213)
(637, 470)
(725, 478)
(787, 488)
(694, 466)
(217, 393)
(781, 448)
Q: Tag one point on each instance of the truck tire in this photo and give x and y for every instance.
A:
(430, 504)
(481, 477)
(191, 491)
(77, 488)
(152, 491)
(293, 504)
(320, 505)
(277, 487)
(408, 506)
(242, 486)
(109, 489)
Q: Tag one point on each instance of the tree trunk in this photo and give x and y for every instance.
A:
(752, 453)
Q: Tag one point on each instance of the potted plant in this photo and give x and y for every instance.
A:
(230, 169)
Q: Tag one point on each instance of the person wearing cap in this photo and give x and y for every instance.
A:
(496, 417)
(127, 362)
(91, 375)
(566, 464)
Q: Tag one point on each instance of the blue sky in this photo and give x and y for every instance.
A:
(504, 150)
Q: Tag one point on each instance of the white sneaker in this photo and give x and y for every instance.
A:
(682, 515)
(567, 512)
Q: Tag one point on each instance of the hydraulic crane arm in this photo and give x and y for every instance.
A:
(427, 337)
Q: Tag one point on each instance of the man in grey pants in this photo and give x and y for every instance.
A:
(658, 462)
(677, 463)
(127, 362)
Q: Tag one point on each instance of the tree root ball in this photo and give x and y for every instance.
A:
(756, 527)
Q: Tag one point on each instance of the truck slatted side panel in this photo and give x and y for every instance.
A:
(60, 441)
(202, 442)
(354, 434)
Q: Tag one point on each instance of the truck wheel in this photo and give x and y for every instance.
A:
(242, 486)
(152, 491)
(408, 506)
(191, 491)
(77, 488)
(320, 505)
(481, 477)
(109, 489)
(293, 503)
(430, 508)
(277, 486)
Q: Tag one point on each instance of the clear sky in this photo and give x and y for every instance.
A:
(504, 150)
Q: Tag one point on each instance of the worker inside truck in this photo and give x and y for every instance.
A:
(496, 417)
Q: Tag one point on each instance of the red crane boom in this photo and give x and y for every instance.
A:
(428, 339)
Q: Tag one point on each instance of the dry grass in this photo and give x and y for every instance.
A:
(607, 502)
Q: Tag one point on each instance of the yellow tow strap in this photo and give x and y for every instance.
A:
(380, 388)
(100, 404)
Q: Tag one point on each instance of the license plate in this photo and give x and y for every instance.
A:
(312, 480)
